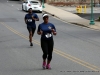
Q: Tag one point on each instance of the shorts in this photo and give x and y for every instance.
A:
(31, 29)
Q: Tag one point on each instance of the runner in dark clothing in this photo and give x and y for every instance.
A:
(30, 19)
(46, 30)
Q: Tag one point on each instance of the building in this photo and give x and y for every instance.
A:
(71, 2)
(76, 1)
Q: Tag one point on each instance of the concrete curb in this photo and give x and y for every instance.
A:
(49, 13)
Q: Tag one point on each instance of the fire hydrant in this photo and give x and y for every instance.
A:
(78, 9)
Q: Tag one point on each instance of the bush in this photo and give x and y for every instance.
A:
(99, 18)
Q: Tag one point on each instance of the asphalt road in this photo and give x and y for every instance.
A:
(76, 50)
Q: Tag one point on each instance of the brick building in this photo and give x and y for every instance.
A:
(71, 2)
(76, 1)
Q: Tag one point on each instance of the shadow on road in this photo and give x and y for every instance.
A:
(88, 16)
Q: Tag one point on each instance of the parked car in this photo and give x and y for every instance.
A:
(34, 4)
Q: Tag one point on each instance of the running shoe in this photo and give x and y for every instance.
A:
(31, 44)
(48, 66)
(44, 65)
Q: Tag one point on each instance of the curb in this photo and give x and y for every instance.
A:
(49, 13)
(79, 24)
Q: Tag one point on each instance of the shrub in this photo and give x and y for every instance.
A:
(99, 18)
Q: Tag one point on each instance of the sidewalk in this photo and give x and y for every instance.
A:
(69, 17)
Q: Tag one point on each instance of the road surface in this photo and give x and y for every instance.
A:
(76, 50)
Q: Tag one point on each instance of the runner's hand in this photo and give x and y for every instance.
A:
(33, 17)
(41, 32)
(52, 30)
(54, 33)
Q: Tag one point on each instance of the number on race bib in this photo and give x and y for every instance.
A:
(29, 20)
(48, 35)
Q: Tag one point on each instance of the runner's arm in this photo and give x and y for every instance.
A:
(35, 17)
(25, 19)
(54, 30)
(39, 32)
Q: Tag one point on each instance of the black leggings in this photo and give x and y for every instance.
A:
(47, 48)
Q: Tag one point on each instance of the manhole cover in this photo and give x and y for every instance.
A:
(8, 20)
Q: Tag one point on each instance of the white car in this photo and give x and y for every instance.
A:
(34, 4)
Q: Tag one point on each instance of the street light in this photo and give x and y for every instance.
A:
(92, 19)
(43, 4)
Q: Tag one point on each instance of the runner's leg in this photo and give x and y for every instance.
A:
(33, 31)
(44, 47)
(50, 50)
(30, 35)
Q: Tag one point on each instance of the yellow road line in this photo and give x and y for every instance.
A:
(16, 32)
(90, 67)
(78, 61)
(88, 64)
(72, 58)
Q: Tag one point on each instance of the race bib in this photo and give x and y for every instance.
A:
(48, 35)
(29, 20)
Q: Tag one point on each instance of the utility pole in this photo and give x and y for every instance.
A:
(43, 4)
(92, 19)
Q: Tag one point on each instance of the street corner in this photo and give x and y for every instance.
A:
(96, 27)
